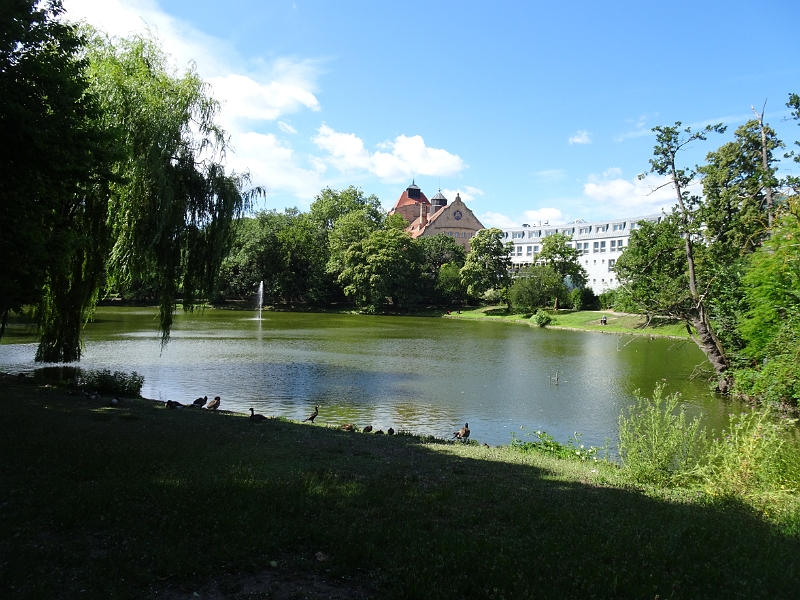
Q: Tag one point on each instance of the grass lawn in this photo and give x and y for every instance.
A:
(587, 320)
(139, 501)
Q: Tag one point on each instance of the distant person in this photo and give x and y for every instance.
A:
(604, 321)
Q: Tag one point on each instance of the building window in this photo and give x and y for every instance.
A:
(611, 263)
(518, 235)
(536, 249)
(519, 250)
(586, 229)
(530, 250)
(619, 226)
(597, 247)
(602, 246)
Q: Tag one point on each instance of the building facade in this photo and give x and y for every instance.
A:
(437, 215)
(600, 243)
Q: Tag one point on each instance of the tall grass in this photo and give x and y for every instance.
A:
(756, 458)
(657, 442)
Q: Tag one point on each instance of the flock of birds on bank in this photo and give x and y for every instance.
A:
(203, 403)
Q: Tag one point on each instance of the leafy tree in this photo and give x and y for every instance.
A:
(437, 251)
(670, 140)
(449, 284)
(302, 274)
(386, 265)
(54, 175)
(330, 205)
(736, 213)
(347, 229)
(173, 210)
(488, 263)
(536, 287)
(559, 255)
(256, 255)
(584, 299)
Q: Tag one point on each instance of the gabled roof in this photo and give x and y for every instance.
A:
(404, 200)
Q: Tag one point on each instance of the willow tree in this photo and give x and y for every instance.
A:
(171, 206)
(55, 163)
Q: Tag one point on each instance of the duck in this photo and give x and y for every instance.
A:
(313, 415)
(390, 431)
(173, 404)
(367, 429)
(200, 402)
(463, 433)
(214, 404)
(115, 401)
(379, 432)
(256, 417)
(347, 427)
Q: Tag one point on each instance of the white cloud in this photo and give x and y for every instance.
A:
(467, 194)
(552, 215)
(491, 219)
(612, 172)
(273, 164)
(286, 128)
(632, 197)
(409, 156)
(581, 137)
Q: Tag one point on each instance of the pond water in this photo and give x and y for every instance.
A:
(426, 375)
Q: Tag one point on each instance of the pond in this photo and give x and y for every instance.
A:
(425, 375)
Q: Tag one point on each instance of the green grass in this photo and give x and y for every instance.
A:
(140, 501)
(586, 320)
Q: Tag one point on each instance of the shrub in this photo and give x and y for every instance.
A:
(657, 442)
(493, 297)
(583, 299)
(542, 319)
(118, 382)
(607, 299)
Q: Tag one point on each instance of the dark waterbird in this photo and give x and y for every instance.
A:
(200, 402)
(313, 415)
(256, 417)
(173, 404)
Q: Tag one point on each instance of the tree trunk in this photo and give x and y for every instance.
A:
(706, 342)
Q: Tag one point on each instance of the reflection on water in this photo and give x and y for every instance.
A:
(426, 375)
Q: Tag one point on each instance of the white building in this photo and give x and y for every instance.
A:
(600, 243)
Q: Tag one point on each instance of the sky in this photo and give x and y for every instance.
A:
(529, 110)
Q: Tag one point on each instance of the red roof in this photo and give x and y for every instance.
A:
(404, 200)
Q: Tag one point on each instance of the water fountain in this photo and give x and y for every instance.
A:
(260, 298)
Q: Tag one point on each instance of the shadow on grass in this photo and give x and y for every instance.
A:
(146, 499)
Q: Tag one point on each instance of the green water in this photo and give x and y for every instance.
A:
(426, 375)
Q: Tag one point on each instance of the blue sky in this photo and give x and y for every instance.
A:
(531, 110)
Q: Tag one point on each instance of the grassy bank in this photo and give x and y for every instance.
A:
(140, 501)
(586, 320)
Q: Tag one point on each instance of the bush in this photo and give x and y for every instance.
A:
(493, 297)
(583, 299)
(104, 381)
(607, 299)
(542, 319)
(657, 443)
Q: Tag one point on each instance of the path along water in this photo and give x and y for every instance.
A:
(426, 375)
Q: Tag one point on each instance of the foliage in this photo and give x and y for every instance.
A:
(173, 208)
(558, 254)
(752, 454)
(537, 286)
(488, 263)
(542, 319)
(583, 299)
(547, 444)
(657, 442)
(449, 284)
(386, 265)
(106, 382)
(54, 176)
(607, 299)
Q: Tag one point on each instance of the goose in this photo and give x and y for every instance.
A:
(463, 433)
(214, 404)
(368, 429)
(347, 427)
(200, 402)
(173, 404)
(379, 432)
(255, 417)
(313, 415)
(390, 431)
